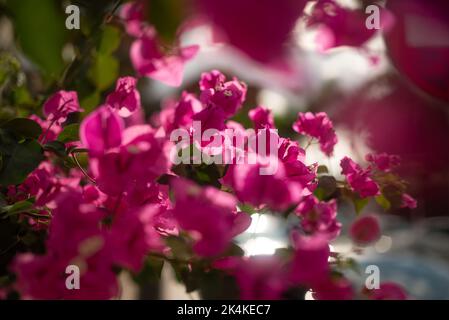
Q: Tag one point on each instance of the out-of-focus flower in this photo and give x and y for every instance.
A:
(387, 291)
(310, 261)
(259, 28)
(340, 26)
(383, 161)
(273, 190)
(333, 288)
(149, 60)
(133, 236)
(258, 277)
(408, 201)
(365, 230)
(210, 213)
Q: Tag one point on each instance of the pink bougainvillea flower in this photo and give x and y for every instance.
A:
(133, 236)
(141, 158)
(317, 126)
(74, 238)
(44, 277)
(125, 98)
(310, 263)
(49, 131)
(273, 190)
(149, 60)
(60, 104)
(359, 180)
(387, 291)
(408, 201)
(179, 114)
(262, 118)
(264, 41)
(133, 15)
(211, 80)
(101, 131)
(340, 26)
(383, 161)
(42, 184)
(210, 214)
(319, 217)
(293, 157)
(258, 277)
(365, 230)
(333, 288)
(211, 117)
(227, 95)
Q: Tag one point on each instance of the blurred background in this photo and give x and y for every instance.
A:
(386, 90)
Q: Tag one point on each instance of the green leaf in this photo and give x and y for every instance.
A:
(56, 147)
(383, 202)
(91, 101)
(151, 271)
(18, 207)
(69, 133)
(23, 128)
(166, 16)
(110, 40)
(359, 204)
(104, 71)
(246, 207)
(41, 32)
(179, 247)
(24, 159)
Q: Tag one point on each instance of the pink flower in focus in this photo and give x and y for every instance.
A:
(293, 157)
(101, 131)
(365, 230)
(227, 95)
(210, 214)
(359, 180)
(125, 98)
(319, 127)
(60, 104)
(148, 59)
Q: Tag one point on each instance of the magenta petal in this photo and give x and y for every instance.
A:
(101, 131)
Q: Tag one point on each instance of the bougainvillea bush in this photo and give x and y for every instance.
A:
(102, 188)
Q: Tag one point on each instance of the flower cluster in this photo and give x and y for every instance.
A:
(126, 202)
